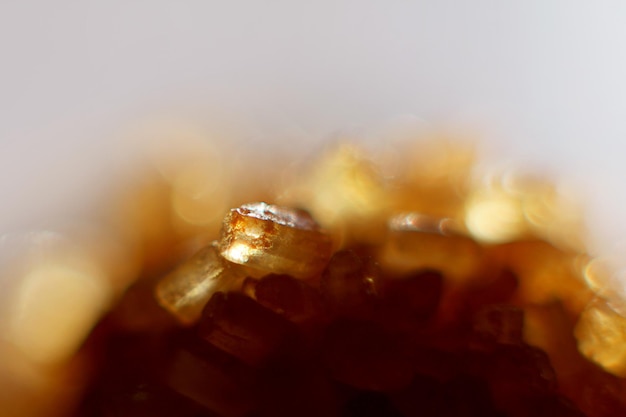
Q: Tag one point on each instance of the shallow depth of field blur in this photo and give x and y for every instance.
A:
(119, 116)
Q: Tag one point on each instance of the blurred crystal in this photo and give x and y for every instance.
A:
(495, 217)
(243, 328)
(432, 176)
(546, 273)
(351, 283)
(495, 287)
(502, 324)
(60, 294)
(601, 335)
(343, 191)
(513, 207)
(219, 383)
(289, 297)
(416, 241)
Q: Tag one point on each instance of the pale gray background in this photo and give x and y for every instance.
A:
(545, 79)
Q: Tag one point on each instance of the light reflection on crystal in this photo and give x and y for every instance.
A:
(239, 252)
(275, 239)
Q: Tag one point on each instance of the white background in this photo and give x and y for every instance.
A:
(547, 80)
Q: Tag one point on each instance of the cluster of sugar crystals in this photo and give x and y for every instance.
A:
(384, 311)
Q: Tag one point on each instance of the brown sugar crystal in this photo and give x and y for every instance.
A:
(243, 328)
(280, 317)
(275, 239)
(213, 380)
(289, 297)
(351, 283)
(416, 241)
(601, 333)
(185, 291)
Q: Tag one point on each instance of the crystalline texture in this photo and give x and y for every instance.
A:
(185, 291)
(275, 239)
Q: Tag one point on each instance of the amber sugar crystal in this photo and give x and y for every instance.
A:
(275, 239)
(186, 290)
(452, 311)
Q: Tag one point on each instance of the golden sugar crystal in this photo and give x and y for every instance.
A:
(550, 327)
(516, 207)
(275, 239)
(417, 241)
(346, 183)
(546, 273)
(186, 290)
(344, 191)
(601, 335)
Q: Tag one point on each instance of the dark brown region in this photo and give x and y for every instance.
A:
(356, 341)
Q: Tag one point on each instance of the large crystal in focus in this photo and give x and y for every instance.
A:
(275, 239)
(601, 335)
(186, 290)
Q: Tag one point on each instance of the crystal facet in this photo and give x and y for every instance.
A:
(185, 291)
(275, 239)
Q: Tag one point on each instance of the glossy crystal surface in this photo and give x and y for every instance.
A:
(186, 290)
(275, 239)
